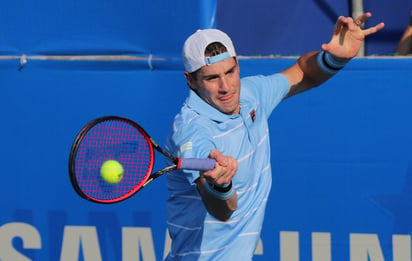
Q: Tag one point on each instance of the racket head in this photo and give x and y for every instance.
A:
(110, 138)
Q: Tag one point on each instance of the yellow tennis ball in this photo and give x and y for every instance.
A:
(111, 171)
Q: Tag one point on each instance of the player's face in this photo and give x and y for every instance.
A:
(219, 85)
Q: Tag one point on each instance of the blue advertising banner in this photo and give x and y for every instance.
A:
(341, 160)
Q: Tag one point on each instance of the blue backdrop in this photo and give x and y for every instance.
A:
(341, 162)
(159, 27)
(298, 26)
(341, 153)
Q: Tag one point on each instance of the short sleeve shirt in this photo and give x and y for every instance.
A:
(199, 128)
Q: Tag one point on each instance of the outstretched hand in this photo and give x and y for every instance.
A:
(348, 36)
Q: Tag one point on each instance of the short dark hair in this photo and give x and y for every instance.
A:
(211, 50)
(214, 49)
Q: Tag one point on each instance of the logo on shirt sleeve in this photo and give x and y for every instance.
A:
(186, 146)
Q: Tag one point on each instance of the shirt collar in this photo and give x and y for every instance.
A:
(200, 106)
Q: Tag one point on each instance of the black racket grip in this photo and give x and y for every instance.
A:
(197, 164)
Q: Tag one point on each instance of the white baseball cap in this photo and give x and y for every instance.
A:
(194, 48)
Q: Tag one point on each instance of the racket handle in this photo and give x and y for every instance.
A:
(197, 164)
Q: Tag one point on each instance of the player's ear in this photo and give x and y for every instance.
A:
(237, 62)
(187, 75)
(189, 79)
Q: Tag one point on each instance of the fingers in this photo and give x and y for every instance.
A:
(361, 19)
(350, 23)
(358, 23)
(225, 168)
(343, 22)
(325, 47)
(338, 25)
(224, 174)
(348, 36)
(373, 29)
(218, 156)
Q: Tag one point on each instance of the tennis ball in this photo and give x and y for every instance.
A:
(111, 171)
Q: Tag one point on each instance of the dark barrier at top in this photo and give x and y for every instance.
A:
(94, 27)
(159, 27)
(296, 27)
(341, 159)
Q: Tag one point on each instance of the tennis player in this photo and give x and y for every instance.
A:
(218, 214)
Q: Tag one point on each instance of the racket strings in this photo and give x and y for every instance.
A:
(116, 140)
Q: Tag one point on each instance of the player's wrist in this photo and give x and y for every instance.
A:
(220, 191)
(330, 64)
(225, 187)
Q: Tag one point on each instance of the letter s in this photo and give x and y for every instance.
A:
(29, 235)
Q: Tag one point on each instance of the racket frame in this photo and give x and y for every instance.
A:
(176, 162)
(148, 178)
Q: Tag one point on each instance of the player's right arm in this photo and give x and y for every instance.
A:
(216, 188)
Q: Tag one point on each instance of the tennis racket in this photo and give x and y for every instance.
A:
(120, 139)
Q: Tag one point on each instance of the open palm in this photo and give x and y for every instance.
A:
(348, 36)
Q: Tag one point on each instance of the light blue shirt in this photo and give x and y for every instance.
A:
(199, 128)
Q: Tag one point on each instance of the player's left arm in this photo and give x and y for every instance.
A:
(314, 68)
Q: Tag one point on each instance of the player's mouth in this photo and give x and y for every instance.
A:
(226, 97)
